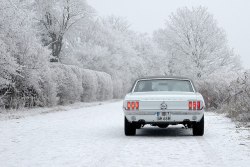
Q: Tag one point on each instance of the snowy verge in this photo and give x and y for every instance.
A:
(25, 112)
(239, 123)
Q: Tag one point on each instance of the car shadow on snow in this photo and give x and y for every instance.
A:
(168, 132)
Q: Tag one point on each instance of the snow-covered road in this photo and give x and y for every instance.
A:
(94, 136)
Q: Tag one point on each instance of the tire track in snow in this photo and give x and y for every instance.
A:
(112, 153)
(206, 147)
(210, 153)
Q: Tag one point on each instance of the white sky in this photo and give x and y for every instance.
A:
(149, 15)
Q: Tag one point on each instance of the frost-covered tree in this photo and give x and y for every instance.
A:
(23, 59)
(57, 17)
(153, 59)
(195, 44)
(107, 44)
(116, 23)
(8, 63)
(8, 66)
(236, 101)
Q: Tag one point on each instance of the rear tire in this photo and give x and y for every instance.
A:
(129, 128)
(198, 128)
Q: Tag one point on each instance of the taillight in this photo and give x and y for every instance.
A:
(198, 105)
(133, 105)
(190, 105)
(137, 105)
(128, 105)
(194, 105)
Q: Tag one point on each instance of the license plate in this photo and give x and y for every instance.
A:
(163, 116)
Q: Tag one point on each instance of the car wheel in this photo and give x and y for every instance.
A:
(129, 128)
(198, 128)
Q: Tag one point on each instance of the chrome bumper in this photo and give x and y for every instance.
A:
(175, 116)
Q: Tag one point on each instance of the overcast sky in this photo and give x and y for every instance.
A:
(148, 15)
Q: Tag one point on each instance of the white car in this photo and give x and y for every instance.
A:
(163, 101)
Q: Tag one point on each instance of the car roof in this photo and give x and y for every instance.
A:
(163, 77)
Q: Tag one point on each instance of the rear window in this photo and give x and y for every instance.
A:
(163, 85)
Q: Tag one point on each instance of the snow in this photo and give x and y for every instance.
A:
(24, 112)
(94, 136)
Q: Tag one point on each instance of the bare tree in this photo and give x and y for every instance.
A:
(57, 18)
(198, 47)
(116, 23)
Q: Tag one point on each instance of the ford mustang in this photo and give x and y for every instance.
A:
(163, 101)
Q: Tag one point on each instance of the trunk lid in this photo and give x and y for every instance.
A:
(173, 100)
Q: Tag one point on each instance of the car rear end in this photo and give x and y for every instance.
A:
(172, 108)
(166, 104)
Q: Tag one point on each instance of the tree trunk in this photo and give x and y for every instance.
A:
(56, 47)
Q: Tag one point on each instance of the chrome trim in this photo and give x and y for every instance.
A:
(185, 112)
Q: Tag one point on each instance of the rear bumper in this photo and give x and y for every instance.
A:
(174, 116)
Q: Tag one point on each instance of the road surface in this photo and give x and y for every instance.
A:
(94, 137)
